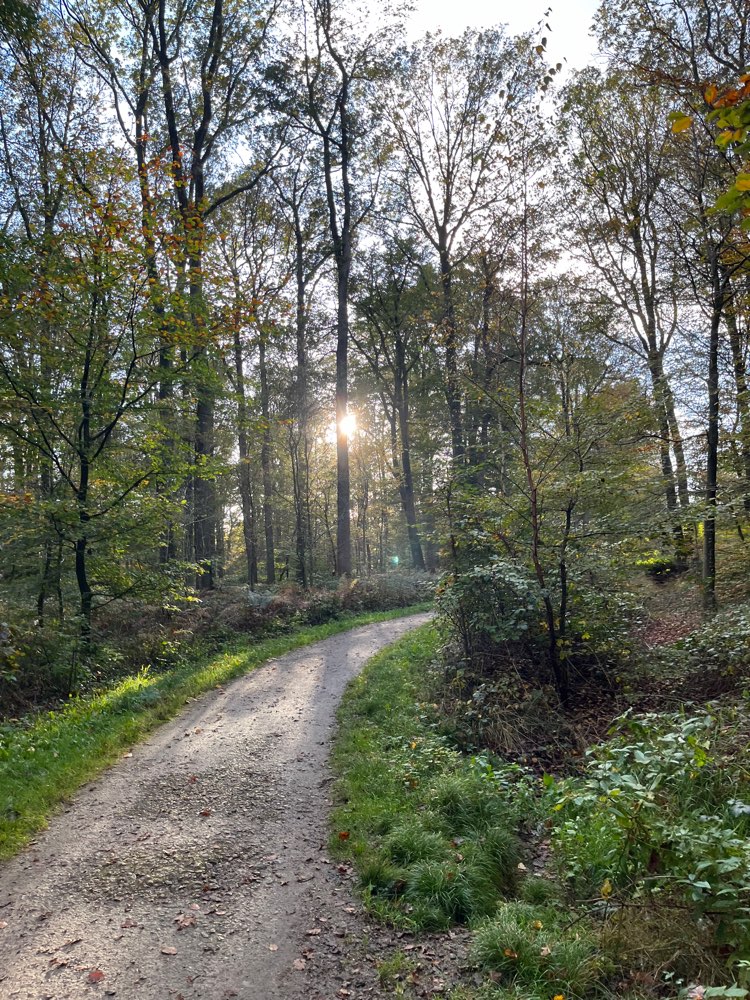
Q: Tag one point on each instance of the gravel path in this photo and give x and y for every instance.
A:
(197, 866)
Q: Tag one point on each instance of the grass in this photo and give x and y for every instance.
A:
(433, 833)
(434, 836)
(47, 759)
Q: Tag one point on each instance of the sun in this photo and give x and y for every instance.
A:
(348, 424)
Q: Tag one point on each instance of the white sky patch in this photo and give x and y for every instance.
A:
(570, 21)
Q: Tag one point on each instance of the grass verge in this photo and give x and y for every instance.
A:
(433, 833)
(635, 882)
(43, 762)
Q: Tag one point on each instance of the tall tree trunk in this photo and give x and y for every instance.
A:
(406, 479)
(452, 381)
(667, 469)
(265, 463)
(718, 301)
(244, 469)
(343, 478)
(742, 399)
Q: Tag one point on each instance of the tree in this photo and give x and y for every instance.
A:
(339, 66)
(450, 110)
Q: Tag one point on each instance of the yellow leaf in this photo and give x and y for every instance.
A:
(681, 124)
(743, 182)
(606, 889)
(711, 93)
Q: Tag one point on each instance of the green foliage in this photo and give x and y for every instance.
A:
(718, 652)
(491, 604)
(658, 813)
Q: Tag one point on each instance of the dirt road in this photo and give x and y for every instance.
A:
(197, 866)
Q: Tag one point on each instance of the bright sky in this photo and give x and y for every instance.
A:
(569, 19)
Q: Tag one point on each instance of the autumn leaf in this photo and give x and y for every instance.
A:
(273, 947)
(299, 964)
(606, 889)
(743, 182)
(169, 951)
(95, 976)
(344, 834)
(681, 124)
(185, 920)
(509, 953)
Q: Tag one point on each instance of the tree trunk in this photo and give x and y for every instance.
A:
(452, 382)
(343, 480)
(742, 400)
(406, 479)
(265, 464)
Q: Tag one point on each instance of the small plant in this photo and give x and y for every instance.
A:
(658, 815)
(527, 946)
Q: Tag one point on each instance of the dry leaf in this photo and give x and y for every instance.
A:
(184, 920)
(313, 932)
(3, 924)
(169, 951)
(273, 947)
(95, 976)
(299, 964)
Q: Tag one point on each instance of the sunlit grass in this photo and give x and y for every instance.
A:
(45, 761)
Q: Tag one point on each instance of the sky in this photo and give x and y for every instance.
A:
(568, 41)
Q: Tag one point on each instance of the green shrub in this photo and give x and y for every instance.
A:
(658, 813)
(715, 657)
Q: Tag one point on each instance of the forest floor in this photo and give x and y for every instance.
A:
(198, 866)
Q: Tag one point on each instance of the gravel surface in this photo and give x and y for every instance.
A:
(197, 866)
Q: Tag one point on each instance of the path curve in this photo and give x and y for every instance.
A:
(197, 867)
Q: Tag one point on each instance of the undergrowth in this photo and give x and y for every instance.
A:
(44, 759)
(641, 865)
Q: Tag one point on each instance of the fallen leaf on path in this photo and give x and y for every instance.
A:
(206, 812)
(192, 779)
(129, 923)
(95, 976)
(3, 924)
(273, 947)
(313, 932)
(299, 964)
(184, 920)
(169, 951)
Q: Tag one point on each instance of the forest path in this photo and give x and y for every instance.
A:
(197, 866)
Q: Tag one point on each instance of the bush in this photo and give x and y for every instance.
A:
(385, 591)
(713, 659)
(490, 605)
(659, 814)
